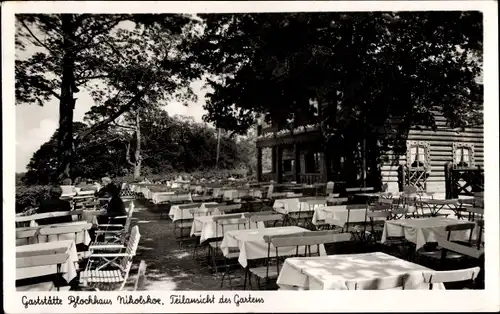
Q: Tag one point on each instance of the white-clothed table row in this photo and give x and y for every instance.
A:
(27, 253)
(337, 272)
(251, 243)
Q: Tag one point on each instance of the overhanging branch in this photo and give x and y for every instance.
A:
(36, 38)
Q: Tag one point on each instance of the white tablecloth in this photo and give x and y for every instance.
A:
(78, 237)
(337, 215)
(68, 269)
(236, 193)
(206, 228)
(159, 197)
(176, 213)
(252, 245)
(90, 216)
(335, 271)
(423, 230)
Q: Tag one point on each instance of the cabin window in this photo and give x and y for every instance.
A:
(312, 163)
(463, 155)
(418, 154)
(288, 165)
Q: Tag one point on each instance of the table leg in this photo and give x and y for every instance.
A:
(57, 276)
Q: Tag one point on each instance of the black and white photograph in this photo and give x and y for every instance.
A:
(248, 150)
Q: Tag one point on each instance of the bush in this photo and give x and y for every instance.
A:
(28, 197)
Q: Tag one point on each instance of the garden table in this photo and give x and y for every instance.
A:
(206, 227)
(338, 215)
(423, 230)
(42, 259)
(176, 213)
(335, 272)
(435, 205)
(251, 243)
(76, 231)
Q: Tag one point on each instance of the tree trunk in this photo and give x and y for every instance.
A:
(138, 157)
(218, 150)
(67, 103)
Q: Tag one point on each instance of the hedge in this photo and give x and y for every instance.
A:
(28, 197)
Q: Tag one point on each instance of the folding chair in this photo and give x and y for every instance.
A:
(480, 230)
(440, 254)
(234, 253)
(107, 280)
(475, 212)
(266, 219)
(229, 209)
(25, 237)
(185, 222)
(114, 233)
(451, 276)
(102, 260)
(140, 283)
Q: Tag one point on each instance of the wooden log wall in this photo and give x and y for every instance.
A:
(441, 151)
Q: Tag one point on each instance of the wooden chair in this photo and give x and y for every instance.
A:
(221, 222)
(475, 212)
(298, 240)
(332, 201)
(267, 219)
(439, 253)
(140, 283)
(63, 231)
(397, 282)
(480, 229)
(377, 220)
(229, 209)
(121, 263)
(103, 260)
(234, 253)
(115, 233)
(25, 237)
(185, 222)
(451, 276)
(464, 250)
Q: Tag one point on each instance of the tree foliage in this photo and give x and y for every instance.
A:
(170, 144)
(362, 68)
(124, 61)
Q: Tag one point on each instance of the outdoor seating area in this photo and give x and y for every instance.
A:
(253, 151)
(257, 238)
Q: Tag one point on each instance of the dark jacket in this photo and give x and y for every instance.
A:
(54, 205)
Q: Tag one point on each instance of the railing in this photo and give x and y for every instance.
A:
(310, 178)
(266, 177)
(463, 181)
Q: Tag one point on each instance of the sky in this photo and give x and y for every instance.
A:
(35, 125)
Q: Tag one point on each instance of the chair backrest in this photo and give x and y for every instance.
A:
(382, 204)
(140, 283)
(128, 221)
(330, 187)
(215, 205)
(274, 218)
(461, 226)
(310, 238)
(432, 277)
(229, 208)
(133, 241)
(459, 248)
(270, 190)
(25, 236)
(337, 200)
(189, 206)
(410, 189)
(475, 210)
(64, 229)
(383, 283)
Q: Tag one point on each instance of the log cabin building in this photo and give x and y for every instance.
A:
(445, 161)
